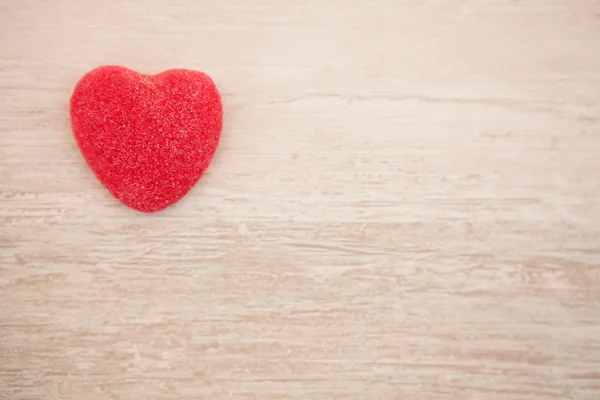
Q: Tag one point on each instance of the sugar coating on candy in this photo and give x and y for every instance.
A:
(147, 138)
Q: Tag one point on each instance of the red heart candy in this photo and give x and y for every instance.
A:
(147, 138)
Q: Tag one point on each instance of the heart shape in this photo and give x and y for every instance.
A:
(148, 138)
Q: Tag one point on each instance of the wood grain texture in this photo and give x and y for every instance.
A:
(405, 205)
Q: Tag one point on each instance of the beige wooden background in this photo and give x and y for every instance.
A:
(405, 205)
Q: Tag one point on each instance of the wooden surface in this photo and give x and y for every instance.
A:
(405, 205)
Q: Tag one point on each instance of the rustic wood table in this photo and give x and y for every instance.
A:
(405, 204)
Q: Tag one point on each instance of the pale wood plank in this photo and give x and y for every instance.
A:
(405, 204)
